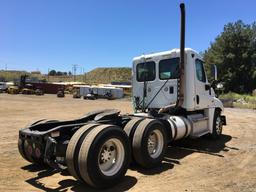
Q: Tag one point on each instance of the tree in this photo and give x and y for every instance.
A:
(59, 73)
(52, 73)
(234, 53)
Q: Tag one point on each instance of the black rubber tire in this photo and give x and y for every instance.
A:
(140, 143)
(129, 129)
(89, 153)
(74, 147)
(216, 134)
(131, 126)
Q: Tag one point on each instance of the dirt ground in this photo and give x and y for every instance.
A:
(228, 164)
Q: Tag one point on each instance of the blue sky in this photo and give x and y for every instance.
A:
(43, 34)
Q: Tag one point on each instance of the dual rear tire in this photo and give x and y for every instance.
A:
(148, 140)
(98, 155)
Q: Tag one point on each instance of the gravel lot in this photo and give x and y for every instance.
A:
(228, 164)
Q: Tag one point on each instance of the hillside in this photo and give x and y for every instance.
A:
(98, 75)
(107, 75)
(11, 75)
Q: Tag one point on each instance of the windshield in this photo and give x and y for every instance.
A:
(168, 68)
(146, 71)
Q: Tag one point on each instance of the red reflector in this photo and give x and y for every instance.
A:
(30, 150)
(38, 152)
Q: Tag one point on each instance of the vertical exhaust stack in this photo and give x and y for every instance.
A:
(181, 83)
(182, 35)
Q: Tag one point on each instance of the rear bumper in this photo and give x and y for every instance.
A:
(48, 146)
(42, 148)
(31, 146)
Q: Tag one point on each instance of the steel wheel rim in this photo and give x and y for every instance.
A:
(111, 157)
(155, 143)
(218, 125)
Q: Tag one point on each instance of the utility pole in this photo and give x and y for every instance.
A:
(74, 69)
(84, 75)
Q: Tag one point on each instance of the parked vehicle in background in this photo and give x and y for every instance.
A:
(13, 90)
(3, 87)
(39, 92)
(76, 93)
(61, 93)
(27, 90)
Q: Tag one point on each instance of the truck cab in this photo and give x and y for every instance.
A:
(159, 83)
(156, 82)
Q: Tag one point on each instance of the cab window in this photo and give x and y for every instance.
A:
(200, 73)
(146, 71)
(169, 68)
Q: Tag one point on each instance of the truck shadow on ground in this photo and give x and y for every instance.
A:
(175, 152)
(71, 184)
(182, 148)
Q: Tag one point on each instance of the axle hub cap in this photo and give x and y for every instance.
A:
(155, 143)
(111, 157)
(218, 126)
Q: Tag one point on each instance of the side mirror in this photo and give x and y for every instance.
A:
(214, 72)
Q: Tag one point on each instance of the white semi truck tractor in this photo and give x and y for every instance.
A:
(172, 99)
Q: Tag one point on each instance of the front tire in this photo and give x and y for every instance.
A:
(217, 125)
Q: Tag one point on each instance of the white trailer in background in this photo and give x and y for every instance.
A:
(117, 93)
(3, 86)
(100, 91)
(83, 89)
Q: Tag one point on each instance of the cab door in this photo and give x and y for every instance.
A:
(163, 91)
(203, 97)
